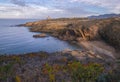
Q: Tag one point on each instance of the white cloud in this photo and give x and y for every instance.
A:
(30, 11)
(37, 11)
(113, 6)
(57, 8)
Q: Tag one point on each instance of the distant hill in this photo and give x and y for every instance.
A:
(104, 16)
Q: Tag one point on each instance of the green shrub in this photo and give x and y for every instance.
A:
(78, 72)
(85, 73)
(104, 78)
(5, 71)
(17, 79)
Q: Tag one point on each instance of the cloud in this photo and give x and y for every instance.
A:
(57, 8)
(42, 11)
(18, 2)
(112, 5)
(30, 11)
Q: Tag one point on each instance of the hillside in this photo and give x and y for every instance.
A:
(104, 16)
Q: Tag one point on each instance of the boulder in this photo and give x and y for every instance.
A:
(40, 35)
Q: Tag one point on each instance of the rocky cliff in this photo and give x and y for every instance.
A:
(77, 29)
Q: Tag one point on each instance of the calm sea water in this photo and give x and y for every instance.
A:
(18, 40)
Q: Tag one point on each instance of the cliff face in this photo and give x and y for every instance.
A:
(67, 29)
(81, 29)
(78, 32)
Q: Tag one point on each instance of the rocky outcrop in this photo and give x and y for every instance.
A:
(81, 29)
(46, 25)
(78, 32)
(40, 35)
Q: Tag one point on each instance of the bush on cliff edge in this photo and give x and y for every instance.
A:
(111, 33)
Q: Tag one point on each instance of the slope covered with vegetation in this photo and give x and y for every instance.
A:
(111, 33)
(58, 67)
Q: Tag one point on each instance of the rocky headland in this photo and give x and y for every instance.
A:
(82, 30)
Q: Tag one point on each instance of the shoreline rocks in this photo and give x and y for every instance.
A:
(42, 35)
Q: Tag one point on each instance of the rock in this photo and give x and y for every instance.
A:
(20, 25)
(40, 35)
(79, 39)
(66, 50)
(91, 52)
(29, 24)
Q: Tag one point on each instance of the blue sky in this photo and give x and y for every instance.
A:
(56, 8)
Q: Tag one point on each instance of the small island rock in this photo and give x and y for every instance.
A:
(40, 35)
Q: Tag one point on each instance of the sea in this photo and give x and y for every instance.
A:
(19, 40)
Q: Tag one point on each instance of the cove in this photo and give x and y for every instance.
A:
(18, 40)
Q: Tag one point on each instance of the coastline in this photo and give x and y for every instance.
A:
(83, 32)
(96, 57)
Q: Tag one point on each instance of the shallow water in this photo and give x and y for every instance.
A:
(18, 40)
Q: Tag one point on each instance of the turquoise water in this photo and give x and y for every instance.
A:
(18, 40)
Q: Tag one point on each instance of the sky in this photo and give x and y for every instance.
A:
(57, 8)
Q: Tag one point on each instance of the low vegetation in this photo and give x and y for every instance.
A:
(5, 72)
(44, 67)
(78, 72)
(111, 33)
